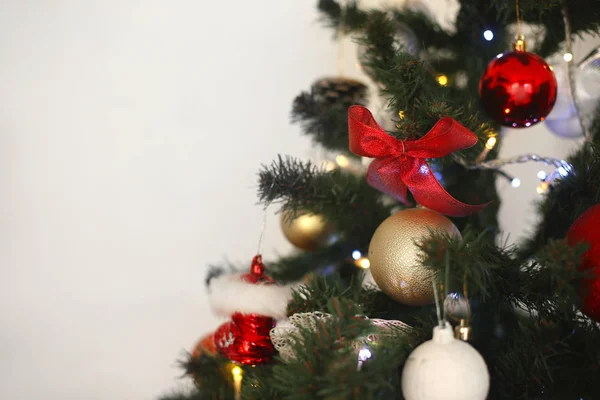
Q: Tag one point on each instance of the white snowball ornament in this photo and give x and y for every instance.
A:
(445, 368)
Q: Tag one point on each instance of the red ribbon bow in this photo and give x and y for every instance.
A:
(401, 165)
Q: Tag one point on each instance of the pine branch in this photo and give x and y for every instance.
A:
(411, 87)
(319, 290)
(332, 12)
(316, 293)
(548, 361)
(323, 111)
(489, 271)
(211, 375)
(550, 285)
(294, 267)
(342, 198)
(326, 360)
(323, 357)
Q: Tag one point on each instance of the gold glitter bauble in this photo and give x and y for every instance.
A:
(395, 256)
(307, 231)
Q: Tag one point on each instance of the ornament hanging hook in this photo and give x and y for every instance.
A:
(463, 331)
(519, 33)
(519, 43)
(264, 220)
(341, 33)
(466, 297)
(446, 285)
(436, 297)
(441, 311)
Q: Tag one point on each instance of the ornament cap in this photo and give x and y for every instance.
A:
(257, 272)
(442, 334)
(463, 331)
(519, 44)
(257, 267)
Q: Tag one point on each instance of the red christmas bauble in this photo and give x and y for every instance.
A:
(518, 89)
(205, 345)
(585, 229)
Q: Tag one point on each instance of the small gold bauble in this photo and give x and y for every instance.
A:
(395, 256)
(307, 231)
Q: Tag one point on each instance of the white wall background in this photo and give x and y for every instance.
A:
(130, 136)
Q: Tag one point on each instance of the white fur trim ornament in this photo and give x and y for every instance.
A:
(287, 333)
(229, 294)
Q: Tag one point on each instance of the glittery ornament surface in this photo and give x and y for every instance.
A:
(245, 339)
(585, 229)
(518, 89)
(394, 254)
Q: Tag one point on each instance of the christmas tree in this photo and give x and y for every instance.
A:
(445, 310)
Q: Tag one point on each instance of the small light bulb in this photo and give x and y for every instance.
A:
(356, 254)
(364, 354)
(563, 172)
(363, 263)
(516, 182)
(542, 187)
(442, 80)
(542, 175)
(342, 161)
(488, 35)
(506, 110)
(236, 371)
(401, 114)
(329, 165)
(491, 142)
(568, 57)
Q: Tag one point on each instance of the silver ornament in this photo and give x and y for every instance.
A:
(563, 120)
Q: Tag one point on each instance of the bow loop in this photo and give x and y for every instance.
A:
(373, 142)
(446, 136)
(401, 165)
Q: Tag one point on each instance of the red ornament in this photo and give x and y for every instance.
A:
(401, 164)
(585, 229)
(205, 345)
(518, 89)
(245, 339)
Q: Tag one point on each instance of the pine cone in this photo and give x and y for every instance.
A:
(329, 91)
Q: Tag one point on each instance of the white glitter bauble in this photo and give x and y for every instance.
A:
(445, 368)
